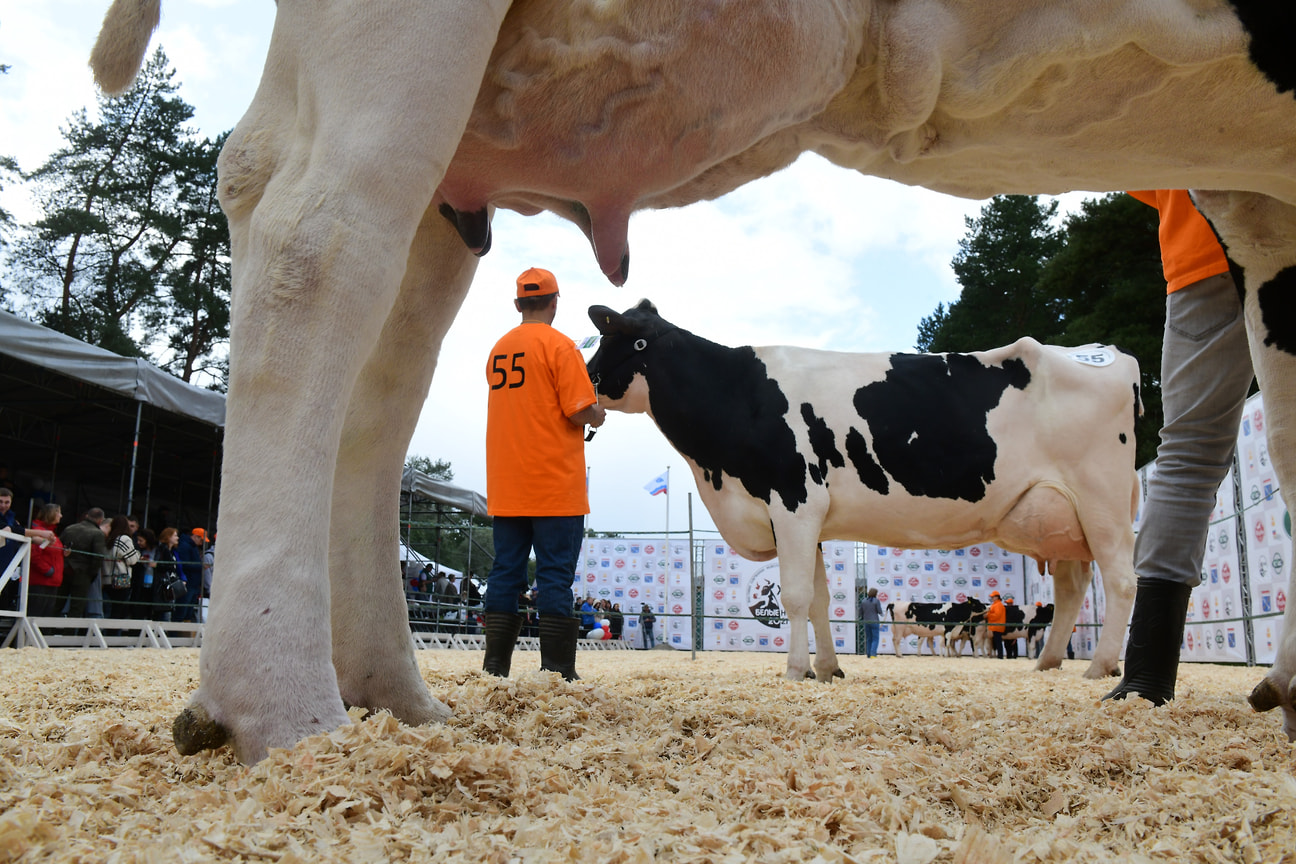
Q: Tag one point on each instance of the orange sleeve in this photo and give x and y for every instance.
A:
(1189, 250)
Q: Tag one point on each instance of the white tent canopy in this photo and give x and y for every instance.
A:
(413, 562)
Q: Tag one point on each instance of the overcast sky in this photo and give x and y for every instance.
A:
(814, 256)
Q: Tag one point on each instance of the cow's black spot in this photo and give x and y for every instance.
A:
(1269, 24)
(870, 473)
(927, 419)
(1122, 437)
(824, 444)
(1277, 299)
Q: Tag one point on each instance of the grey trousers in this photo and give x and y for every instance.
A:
(1205, 374)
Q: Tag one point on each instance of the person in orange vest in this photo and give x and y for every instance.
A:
(540, 401)
(1205, 374)
(996, 618)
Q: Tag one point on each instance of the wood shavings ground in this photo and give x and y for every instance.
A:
(656, 757)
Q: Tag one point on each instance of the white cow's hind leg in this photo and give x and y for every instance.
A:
(372, 650)
(1260, 235)
(825, 662)
(325, 182)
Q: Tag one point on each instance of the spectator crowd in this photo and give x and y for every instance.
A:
(97, 566)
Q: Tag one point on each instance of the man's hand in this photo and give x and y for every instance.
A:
(593, 416)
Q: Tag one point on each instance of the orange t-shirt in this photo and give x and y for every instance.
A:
(1189, 250)
(535, 457)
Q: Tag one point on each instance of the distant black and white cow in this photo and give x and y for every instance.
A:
(1029, 623)
(962, 621)
(924, 620)
(1028, 446)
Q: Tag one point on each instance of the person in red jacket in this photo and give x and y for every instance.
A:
(1205, 374)
(46, 565)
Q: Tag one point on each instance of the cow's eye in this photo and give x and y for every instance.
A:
(641, 344)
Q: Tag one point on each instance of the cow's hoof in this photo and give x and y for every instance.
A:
(1265, 696)
(195, 731)
(809, 675)
(838, 673)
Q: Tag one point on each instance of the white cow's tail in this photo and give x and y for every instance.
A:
(119, 51)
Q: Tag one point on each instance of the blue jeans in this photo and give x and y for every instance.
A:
(648, 636)
(1205, 373)
(872, 636)
(556, 541)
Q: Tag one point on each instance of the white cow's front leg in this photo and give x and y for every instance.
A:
(1070, 579)
(1260, 235)
(325, 182)
(372, 650)
(826, 667)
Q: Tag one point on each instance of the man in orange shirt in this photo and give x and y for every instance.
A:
(1205, 374)
(996, 618)
(540, 401)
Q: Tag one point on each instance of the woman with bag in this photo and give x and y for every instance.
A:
(166, 573)
(122, 555)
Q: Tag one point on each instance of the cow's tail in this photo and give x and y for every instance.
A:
(124, 37)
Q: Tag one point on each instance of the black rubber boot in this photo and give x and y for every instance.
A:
(502, 629)
(1156, 631)
(558, 635)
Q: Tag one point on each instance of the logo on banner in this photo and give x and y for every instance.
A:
(763, 600)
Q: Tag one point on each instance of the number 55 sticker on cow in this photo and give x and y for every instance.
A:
(359, 186)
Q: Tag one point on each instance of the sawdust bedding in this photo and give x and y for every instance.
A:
(654, 756)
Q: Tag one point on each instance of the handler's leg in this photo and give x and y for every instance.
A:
(1205, 373)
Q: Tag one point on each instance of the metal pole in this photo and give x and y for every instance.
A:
(692, 576)
(130, 486)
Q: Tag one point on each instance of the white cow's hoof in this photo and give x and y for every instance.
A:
(1097, 671)
(194, 731)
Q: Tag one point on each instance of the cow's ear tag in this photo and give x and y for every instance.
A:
(1093, 355)
(641, 344)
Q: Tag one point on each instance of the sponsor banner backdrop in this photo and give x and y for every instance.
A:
(942, 576)
(1266, 529)
(743, 607)
(635, 571)
(1213, 631)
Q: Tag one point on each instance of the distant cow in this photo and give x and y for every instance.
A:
(962, 621)
(924, 620)
(1029, 446)
(1027, 623)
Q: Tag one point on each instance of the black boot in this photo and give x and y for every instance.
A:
(1156, 630)
(558, 635)
(502, 630)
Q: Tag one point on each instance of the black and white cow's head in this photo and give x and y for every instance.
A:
(620, 365)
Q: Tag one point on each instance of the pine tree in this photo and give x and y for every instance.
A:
(129, 207)
(999, 263)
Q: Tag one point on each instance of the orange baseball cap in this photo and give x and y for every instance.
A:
(199, 533)
(536, 282)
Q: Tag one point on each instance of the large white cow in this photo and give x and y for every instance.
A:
(791, 446)
(361, 181)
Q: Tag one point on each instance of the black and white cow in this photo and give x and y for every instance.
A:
(924, 620)
(1029, 623)
(962, 621)
(1028, 446)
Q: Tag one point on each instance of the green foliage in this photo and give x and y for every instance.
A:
(131, 252)
(999, 264)
(1110, 289)
(1095, 279)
